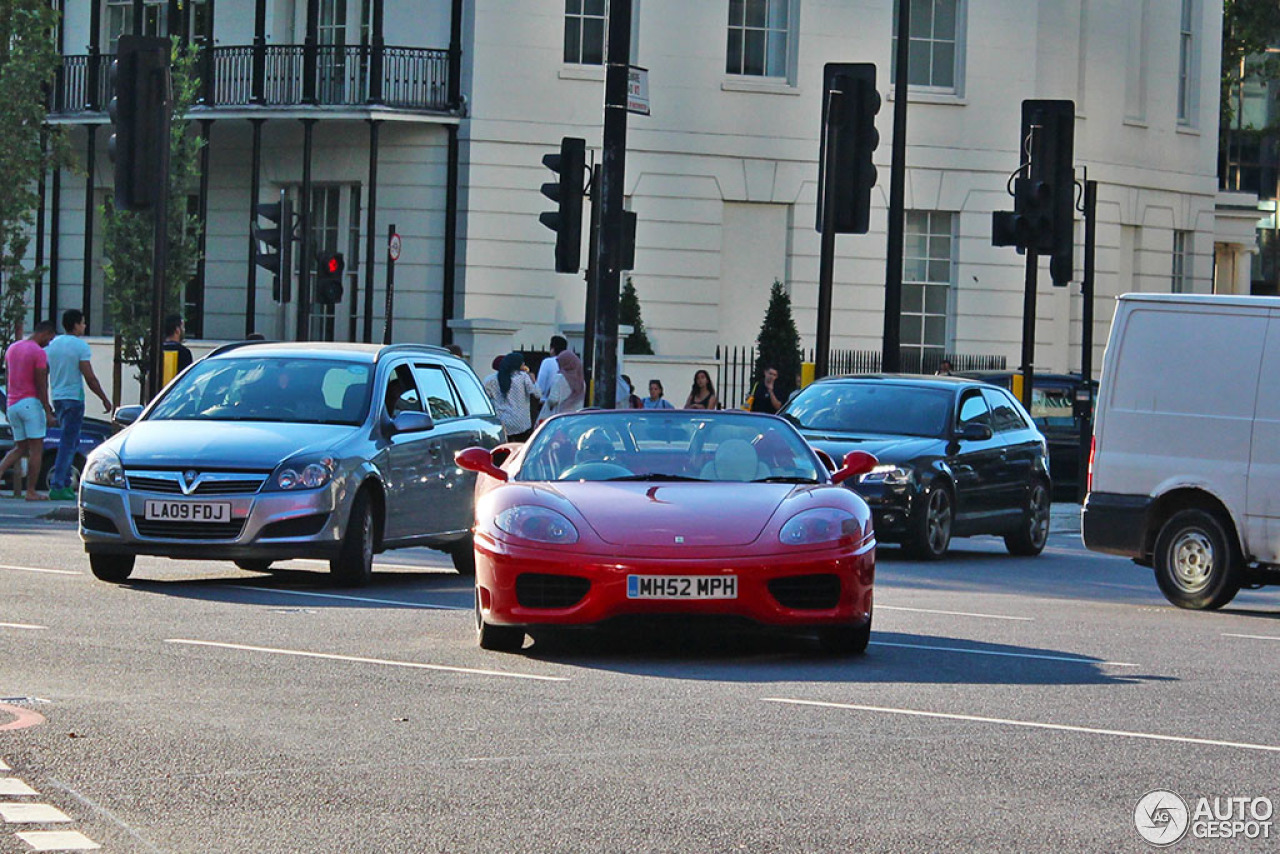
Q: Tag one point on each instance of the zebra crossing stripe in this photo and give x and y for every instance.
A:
(12, 786)
(15, 813)
(58, 840)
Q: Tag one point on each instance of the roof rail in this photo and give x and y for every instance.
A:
(393, 349)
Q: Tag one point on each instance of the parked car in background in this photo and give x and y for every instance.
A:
(689, 513)
(93, 433)
(1054, 411)
(270, 451)
(958, 457)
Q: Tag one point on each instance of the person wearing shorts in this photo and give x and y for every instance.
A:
(27, 369)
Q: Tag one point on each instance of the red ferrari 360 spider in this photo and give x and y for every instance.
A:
(633, 513)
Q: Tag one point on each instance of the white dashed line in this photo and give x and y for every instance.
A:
(1074, 659)
(1252, 637)
(953, 613)
(20, 626)
(58, 840)
(39, 569)
(14, 813)
(1031, 724)
(425, 606)
(12, 787)
(361, 660)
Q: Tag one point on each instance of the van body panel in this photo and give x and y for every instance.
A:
(1262, 511)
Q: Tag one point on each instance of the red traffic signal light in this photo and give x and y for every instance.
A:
(329, 268)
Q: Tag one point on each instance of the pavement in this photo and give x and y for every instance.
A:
(1064, 516)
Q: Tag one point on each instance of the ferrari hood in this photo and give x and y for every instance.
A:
(666, 514)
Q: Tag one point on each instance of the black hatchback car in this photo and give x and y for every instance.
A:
(958, 457)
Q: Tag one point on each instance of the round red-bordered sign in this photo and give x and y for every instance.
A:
(393, 247)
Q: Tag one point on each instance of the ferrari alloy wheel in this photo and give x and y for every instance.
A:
(1196, 564)
(931, 533)
(845, 640)
(353, 567)
(115, 568)
(1033, 529)
(496, 638)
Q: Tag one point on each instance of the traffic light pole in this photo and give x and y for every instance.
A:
(593, 277)
(160, 238)
(891, 357)
(826, 257)
(1085, 405)
(1029, 326)
(612, 172)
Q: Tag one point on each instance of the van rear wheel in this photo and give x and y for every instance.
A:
(1197, 564)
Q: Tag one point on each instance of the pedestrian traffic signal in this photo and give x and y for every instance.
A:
(275, 244)
(849, 106)
(139, 112)
(567, 193)
(329, 267)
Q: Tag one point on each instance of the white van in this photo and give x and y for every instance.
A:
(1184, 475)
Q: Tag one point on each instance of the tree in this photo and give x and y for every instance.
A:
(28, 63)
(637, 343)
(1249, 27)
(778, 343)
(127, 235)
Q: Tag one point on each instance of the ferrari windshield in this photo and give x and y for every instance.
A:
(669, 445)
(299, 390)
(889, 409)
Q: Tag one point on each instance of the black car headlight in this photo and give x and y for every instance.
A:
(889, 475)
(104, 469)
(311, 472)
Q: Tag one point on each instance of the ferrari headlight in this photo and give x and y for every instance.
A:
(889, 475)
(104, 469)
(539, 524)
(820, 525)
(310, 473)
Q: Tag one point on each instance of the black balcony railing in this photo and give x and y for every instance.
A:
(1249, 162)
(410, 78)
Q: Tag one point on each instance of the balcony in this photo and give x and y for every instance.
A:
(406, 78)
(1249, 162)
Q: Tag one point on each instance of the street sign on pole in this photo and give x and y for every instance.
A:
(393, 247)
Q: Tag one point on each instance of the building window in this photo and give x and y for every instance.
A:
(584, 31)
(927, 270)
(1186, 62)
(936, 46)
(1181, 262)
(759, 38)
(155, 20)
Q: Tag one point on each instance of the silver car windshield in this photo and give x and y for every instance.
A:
(871, 408)
(304, 391)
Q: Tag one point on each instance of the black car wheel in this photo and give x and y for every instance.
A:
(254, 565)
(114, 568)
(353, 567)
(496, 638)
(845, 640)
(1033, 531)
(931, 529)
(1197, 565)
(46, 471)
(463, 554)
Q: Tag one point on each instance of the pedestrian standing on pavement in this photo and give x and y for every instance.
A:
(27, 368)
(69, 371)
(175, 329)
(569, 391)
(655, 400)
(511, 389)
(549, 368)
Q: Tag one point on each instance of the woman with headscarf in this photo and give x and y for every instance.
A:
(510, 389)
(569, 391)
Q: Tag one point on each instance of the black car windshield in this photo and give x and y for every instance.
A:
(669, 445)
(299, 390)
(890, 409)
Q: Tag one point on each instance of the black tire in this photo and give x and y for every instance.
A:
(845, 640)
(497, 638)
(464, 556)
(46, 471)
(1033, 531)
(113, 568)
(254, 565)
(353, 567)
(931, 527)
(1197, 562)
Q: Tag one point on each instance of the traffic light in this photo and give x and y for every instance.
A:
(566, 221)
(849, 106)
(275, 244)
(139, 112)
(329, 267)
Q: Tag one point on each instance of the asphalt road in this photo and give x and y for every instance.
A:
(1005, 704)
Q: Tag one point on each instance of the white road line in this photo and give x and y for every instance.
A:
(20, 626)
(1031, 724)
(13, 787)
(1072, 658)
(361, 660)
(378, 565)
(425, 606)
(38, 569)
(4, 766)
(880, 607)
(58, 840)
(28, 813)
(1252, 637)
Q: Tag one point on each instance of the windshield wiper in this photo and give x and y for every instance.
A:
(655, 476)
(785, 479)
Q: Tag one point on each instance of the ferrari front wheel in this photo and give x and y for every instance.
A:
(496, 638)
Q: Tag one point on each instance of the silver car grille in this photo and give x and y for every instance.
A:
(193, 482)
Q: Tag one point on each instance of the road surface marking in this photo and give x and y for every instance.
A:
(22, 813)
(20, 626)
(23, 718)
(4, 766)
(1252, 637)
(13, 787)
(58, 840)
(880, 607)
(362, 660)
(1031, 724)
(1072, 658)
(38, 569)
(379, 565)
(368, 599)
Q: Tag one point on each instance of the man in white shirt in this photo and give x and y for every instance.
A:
(548, 370)
(69, 370)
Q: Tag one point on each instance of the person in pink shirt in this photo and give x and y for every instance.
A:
(27, 370)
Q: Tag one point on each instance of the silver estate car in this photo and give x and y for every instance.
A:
(270, 451)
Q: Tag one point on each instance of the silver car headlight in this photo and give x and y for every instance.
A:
(889, 475)
(104, 469)
(303, 473)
